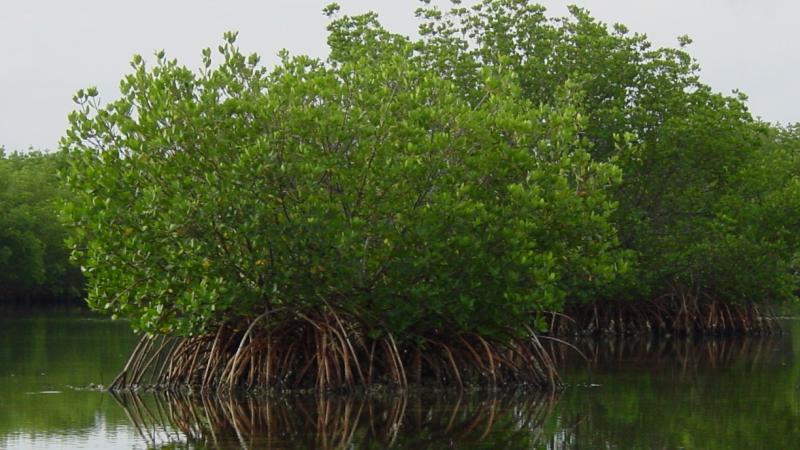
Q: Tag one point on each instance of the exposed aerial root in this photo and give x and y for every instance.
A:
(325, 350)
(684, 315)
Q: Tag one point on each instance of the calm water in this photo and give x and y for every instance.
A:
(724, 394)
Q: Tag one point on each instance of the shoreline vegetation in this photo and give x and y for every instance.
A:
(439, 210)
(34, 262)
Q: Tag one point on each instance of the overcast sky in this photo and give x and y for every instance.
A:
(51, 48)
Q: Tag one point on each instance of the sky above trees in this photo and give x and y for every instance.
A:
(50, 48)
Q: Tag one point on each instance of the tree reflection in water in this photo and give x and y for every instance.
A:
(422, 420)
(690, 355)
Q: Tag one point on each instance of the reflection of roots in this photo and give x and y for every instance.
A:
(330, 351)
(687, 354)
(678, 314)
(334, 422)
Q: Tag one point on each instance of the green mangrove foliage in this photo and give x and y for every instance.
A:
(365, 182)
(431, 196)
(34, 263)
(366, 185)
(705, 224)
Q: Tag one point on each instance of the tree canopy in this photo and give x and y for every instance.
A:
(697, 211)
(366, 181)
(500, 166)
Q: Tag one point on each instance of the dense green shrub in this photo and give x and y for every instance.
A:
(698, 209)
(463, 181)
(366, 182)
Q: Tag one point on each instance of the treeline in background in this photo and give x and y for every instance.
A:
(34, 261)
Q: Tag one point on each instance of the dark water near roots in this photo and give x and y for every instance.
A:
(716, 394)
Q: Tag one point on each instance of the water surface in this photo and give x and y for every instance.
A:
(667, 394)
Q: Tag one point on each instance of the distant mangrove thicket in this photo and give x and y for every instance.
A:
(421, 210)
(34, 262)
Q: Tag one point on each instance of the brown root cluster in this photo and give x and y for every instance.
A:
(327, 351)
(338, 422)
(681, 356)
(681, 315)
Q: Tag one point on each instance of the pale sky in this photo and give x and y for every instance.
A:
(51, 48)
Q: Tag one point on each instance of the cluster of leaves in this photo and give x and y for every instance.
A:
(461, 182)
(366, 182)
(34, 263)
(708, 201)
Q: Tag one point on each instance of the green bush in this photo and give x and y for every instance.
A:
(367, 182)
(463, 181)
(698, 209)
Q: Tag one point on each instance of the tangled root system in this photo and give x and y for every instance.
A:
(327, 351)
(681, 315)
